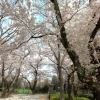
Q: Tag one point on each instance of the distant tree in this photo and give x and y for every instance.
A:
(55, 81)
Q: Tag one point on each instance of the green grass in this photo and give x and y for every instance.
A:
(23, 91)
(57, 97)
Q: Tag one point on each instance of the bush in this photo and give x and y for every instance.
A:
(44, 89)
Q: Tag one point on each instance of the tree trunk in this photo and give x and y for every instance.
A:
(34, 86)
(10, 91)
(69, 89)
(3, 94)
(62, 93)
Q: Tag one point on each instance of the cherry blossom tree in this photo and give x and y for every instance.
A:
(71, 52)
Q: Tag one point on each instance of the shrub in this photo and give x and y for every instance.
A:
(23, 91)
(44, 89)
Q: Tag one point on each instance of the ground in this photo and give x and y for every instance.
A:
(27, 97)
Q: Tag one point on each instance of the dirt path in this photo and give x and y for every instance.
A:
(27, 97)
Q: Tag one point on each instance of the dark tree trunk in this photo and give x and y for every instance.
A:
(69, 89)
(34, 86)
(65, 88)
(75, 90)
(69, 92)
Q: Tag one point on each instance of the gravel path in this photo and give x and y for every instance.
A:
(27, 97)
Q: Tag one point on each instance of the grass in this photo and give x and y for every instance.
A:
(23, 91)
(57, 97)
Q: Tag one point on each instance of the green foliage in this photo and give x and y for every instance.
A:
(23, 91)
(55, 80)
(57, 97)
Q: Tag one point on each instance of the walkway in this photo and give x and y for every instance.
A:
(27, 97)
